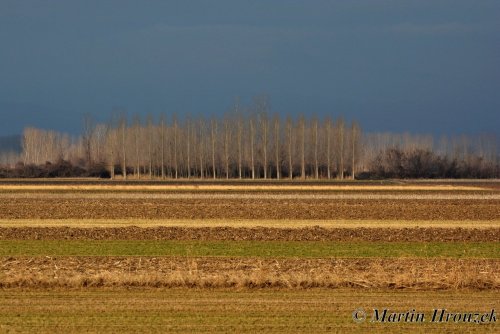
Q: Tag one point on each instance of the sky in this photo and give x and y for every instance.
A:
(394, 65)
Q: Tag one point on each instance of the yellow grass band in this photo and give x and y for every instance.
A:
(249, 187)
(249, 223)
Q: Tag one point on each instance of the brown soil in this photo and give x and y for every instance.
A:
(254, 233)
(249, 209)
(236, 272)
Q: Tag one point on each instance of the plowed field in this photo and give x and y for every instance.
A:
(41, 208)
(255, 234)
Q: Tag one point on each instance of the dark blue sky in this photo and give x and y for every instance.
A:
(418, 66)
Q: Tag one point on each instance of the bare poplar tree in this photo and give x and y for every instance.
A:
(123, 130)
(252, 140)
(355, 134)
(28, 144)
(240, 146)
(227, 139)
(264, 128)
(239, 135)
(137, 134)
(201, 130)
(188, 146)
(87, 137)
(328, 134)
(162, 144)
(314, 126)
(340, 140)
(150, 145)
(112, 146)
(261, 107)
(289, 130)
(213, 139)
(169, 134)
(277, 144)
(112, 153)
(264, 125)
(176, 134)
(302, 129)
(99, 140)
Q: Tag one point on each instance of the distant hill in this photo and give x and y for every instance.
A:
(10, 143)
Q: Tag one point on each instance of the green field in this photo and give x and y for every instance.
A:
(305, 249)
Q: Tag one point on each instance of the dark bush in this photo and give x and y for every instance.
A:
(394, 163)
(61, 168)
(98, 170)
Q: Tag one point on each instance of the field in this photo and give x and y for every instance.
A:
(100, 256)
(160, 310)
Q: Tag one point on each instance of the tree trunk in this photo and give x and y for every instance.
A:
(290, 140)
(137, 131)
(341, 134)
(328, 148)
(264, 142)
(150, 146)
(315, 134)
(240, 134)
(200, 146)
(354, 138)
(176, 167)
(188, 140)
(214, 130)
(277, 146)
(88, 133)
(227, 136)
(303, 147)
(124, 144)
(252, 135)
(162, 121)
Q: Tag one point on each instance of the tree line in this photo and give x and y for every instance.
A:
(248, 143)
(259, 146)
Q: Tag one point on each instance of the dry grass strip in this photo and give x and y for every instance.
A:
(425, 274)
(250, 223)
(253, 196)
(245, 187)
